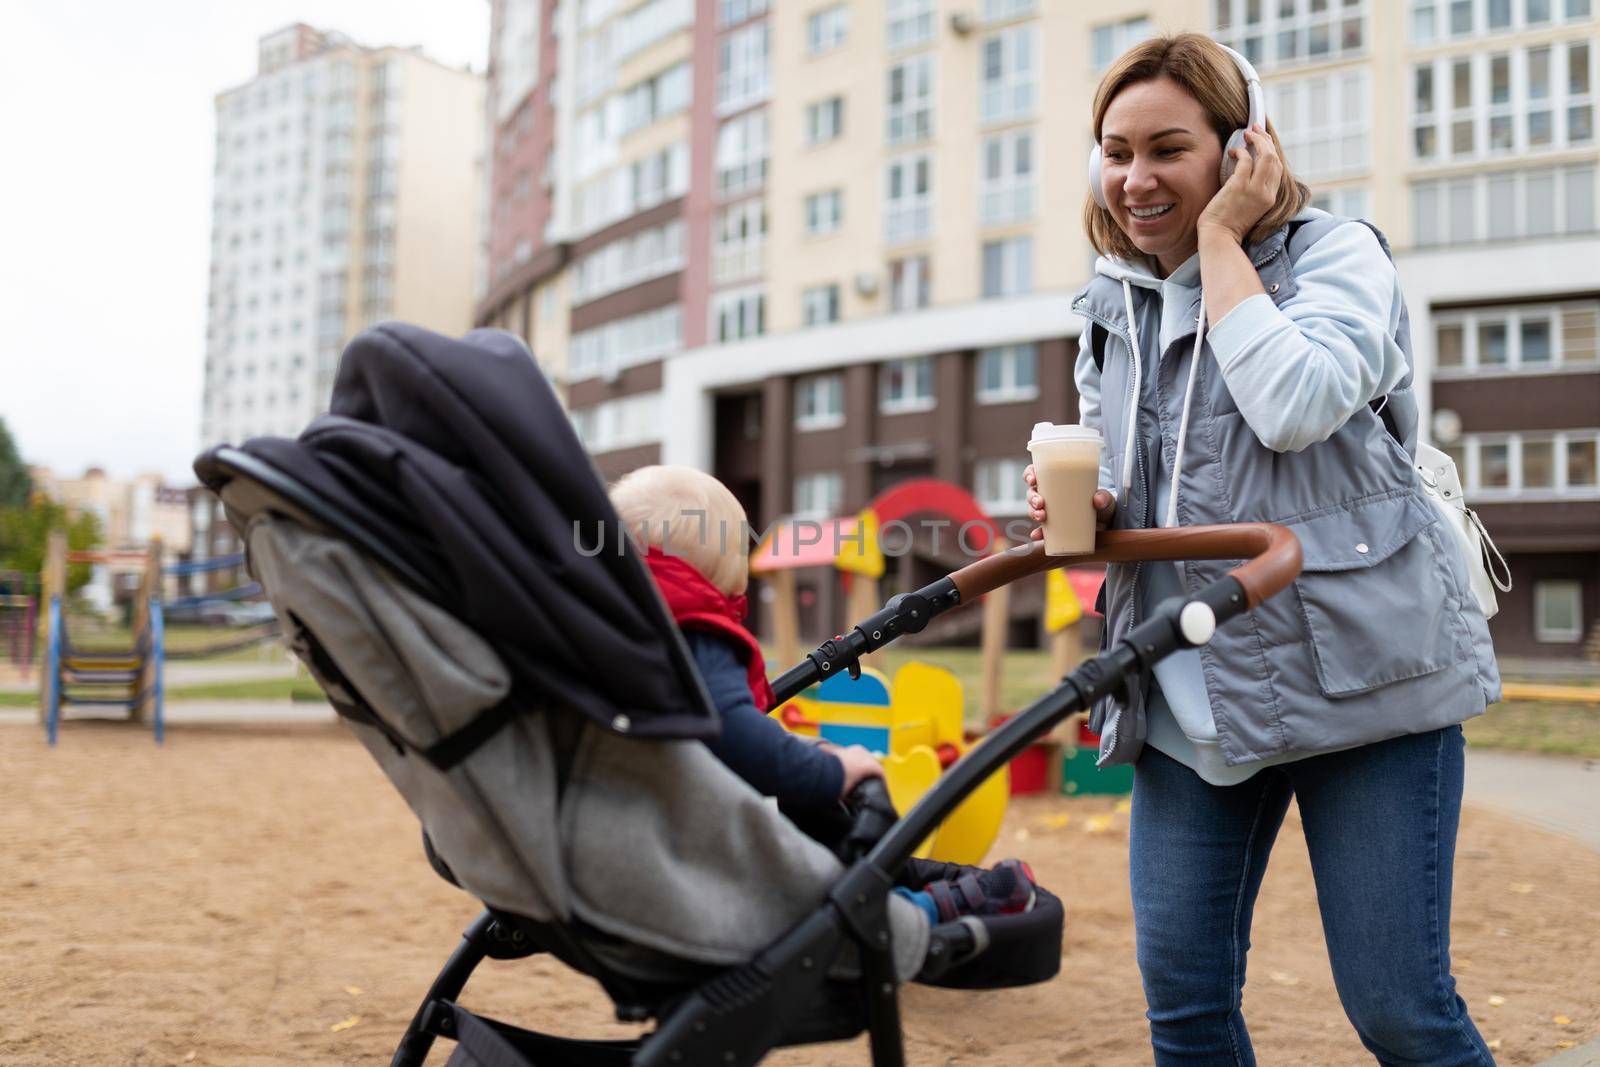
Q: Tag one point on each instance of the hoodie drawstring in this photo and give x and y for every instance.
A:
(1133, 415)
(1183, 421)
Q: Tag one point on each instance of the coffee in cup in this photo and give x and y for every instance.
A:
(1066, 462)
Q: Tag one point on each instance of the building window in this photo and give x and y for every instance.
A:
(1108, 42)
(1286, 32)
(826, 29)
(818, 495)
(1516, 339)
(1506, 103)
(1520, 204)
(824, 212)
(744, 69)
(627, 422)
(605, 351)
(1008, 267)
(641, 27)
(654, 98)
(819, 305)
(1558, 611)
(910, 23)
(908, 213)
(1432, 20)
(625, 262)
(1009, 75)
(1008, 374)
(1323, 123)
(733, 12)
(997, 484)
(910, 280)
(741, 237)
(824, 120)
(1547, 465)
(742, 152)
(1005, 179)
(911, 101)
(1000, 10)
(738, 314)
(905, 385)
(1347, 202)
(819, 402)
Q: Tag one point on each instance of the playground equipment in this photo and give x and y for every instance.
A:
(914, 726)
(18, 624)
(183, 605)
(129, 678)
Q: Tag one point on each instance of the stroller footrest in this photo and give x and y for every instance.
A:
(484, 1042)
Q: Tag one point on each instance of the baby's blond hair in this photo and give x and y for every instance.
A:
(687, 513)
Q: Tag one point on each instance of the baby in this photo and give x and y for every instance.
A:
(693, 531)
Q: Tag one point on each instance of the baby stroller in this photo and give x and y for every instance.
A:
(537, 709)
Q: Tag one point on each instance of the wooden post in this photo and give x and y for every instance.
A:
(149, 586)
(862, 602)
(52, 583)
(785, 618)
(1066, 648)
(996, 617)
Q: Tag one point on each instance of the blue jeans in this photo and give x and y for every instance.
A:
(1380, 825)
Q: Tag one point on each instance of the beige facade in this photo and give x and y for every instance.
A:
(132, 512)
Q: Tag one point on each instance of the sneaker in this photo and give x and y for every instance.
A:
(1005, 889)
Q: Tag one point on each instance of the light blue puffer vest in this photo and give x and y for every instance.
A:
(1379, 636)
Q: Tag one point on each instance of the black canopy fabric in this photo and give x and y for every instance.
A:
(458, 457)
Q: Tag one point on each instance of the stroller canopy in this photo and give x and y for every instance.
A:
(456, 456)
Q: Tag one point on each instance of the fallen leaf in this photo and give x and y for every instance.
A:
(1496, 1000)
(190, 1057)
(1123, 807)
(1565, 1044)
(1284, 979)
(1097, 824)
(354, 990)
(1561, 1020)
(1056, 822)
(1494, 1046)
(1521, 887)
(1022, 834)
(354, 1020)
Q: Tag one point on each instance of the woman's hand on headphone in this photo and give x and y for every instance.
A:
(1105, 505)
(1250, 190)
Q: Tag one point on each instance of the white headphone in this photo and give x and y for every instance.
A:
(1258, 117)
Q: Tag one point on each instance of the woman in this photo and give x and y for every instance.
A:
(1266, 345)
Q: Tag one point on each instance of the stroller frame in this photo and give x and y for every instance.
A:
(785, 995)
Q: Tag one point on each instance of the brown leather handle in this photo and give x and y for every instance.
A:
(1271, 553)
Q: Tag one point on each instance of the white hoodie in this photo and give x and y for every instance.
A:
(1297, 372)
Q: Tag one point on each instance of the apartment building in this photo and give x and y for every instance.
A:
(881, 226)
(345, 192)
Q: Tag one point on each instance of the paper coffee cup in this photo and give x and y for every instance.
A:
(1066, 461)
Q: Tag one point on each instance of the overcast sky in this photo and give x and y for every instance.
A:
(106, 124)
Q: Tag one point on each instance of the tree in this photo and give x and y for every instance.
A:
(25, 533)
(15, 485)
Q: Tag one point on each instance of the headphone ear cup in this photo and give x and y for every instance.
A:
(1094, 177)
(1229, 164)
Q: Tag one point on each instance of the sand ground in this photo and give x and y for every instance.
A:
(257, 895)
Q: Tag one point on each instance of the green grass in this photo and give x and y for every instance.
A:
(1526, 726)
(89, 637)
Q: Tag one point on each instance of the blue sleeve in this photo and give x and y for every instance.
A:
(1299, 371)
(754, 745)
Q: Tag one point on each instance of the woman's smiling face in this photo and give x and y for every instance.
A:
(1160, 162)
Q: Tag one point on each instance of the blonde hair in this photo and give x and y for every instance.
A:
(687, 513)
(1207, 73)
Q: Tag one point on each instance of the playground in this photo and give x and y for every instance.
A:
(254, 894)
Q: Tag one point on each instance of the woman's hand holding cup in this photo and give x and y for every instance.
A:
(1105, 505)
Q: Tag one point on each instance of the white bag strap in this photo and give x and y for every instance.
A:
(1491, 555)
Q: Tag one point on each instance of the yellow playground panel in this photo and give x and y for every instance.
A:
(914, 726)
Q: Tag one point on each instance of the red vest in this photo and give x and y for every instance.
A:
(696, 604)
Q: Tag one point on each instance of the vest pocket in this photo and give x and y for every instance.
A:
(1377, 596)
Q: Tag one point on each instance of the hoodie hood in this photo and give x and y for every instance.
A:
(1122, 270)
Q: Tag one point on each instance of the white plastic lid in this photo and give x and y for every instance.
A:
(1049, 431)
